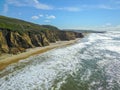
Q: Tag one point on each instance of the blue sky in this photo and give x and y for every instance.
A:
(66, 14)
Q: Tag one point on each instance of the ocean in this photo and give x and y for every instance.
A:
(92, 63)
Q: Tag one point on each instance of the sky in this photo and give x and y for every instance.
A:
(66, 14)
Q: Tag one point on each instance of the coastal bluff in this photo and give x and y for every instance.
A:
(17, 35)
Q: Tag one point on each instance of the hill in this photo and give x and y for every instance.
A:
(18, 35)
(85, 31)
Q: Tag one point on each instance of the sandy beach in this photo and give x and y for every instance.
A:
(7, 59)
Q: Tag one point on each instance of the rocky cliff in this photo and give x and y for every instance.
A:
(27, 35)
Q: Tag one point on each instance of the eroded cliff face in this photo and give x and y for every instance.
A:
(14, 42)
(3, 44)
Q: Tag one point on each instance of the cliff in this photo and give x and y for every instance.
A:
(18, 35)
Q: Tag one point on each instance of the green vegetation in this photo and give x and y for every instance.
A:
(22, 26)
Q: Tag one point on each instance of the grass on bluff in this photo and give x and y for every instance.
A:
(22, 26)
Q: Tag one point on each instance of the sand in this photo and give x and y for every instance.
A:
(9, 59)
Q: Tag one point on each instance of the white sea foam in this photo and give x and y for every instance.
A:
(41, 75)
(113, 48)
(42, 72)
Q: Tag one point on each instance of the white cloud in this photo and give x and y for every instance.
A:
(108, 24)
(74, 9)
(47, 21)
(47, 17)
(39, 5)
(17, 2)
(41, 15)
(35, 17)
(29, 3)
(104, 7)
(112, 4)
(88, 7)
(106, 27)
(111, 28)
(99, 6)
(50, 17)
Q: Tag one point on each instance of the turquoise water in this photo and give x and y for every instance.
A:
(93, 63)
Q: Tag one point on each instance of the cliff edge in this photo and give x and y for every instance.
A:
(18, 35)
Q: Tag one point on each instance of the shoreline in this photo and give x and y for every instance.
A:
(9, 59)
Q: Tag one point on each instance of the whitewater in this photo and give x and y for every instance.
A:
(92, 63)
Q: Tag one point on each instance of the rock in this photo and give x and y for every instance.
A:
(18, 40)
(36, 39)
(44, 40)
(3, 44)
(65, 35)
